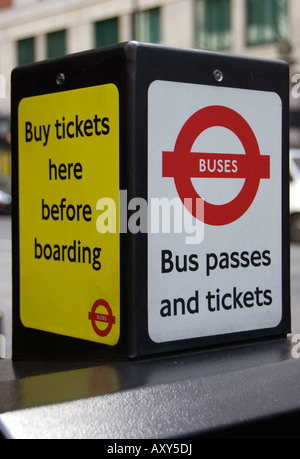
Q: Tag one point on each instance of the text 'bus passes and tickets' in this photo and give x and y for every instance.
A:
(152, 223)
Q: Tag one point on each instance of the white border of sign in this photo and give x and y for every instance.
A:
(200, 313)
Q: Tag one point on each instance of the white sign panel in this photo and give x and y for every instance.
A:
(214, 199)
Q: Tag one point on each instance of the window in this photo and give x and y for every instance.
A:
(56, 44)
(107, 32)
(266, 21)
(25, 51)
(146, 26)
(212, 24)
(5, 3)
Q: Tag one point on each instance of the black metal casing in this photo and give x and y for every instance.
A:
(132, 67)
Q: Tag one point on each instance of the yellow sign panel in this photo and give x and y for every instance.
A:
(68, 164)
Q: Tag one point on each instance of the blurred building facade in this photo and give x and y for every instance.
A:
(32, 30)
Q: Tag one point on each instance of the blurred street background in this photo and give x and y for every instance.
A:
(5, 286)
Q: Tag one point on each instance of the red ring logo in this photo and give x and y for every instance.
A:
(182, 164)
(108, 318)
